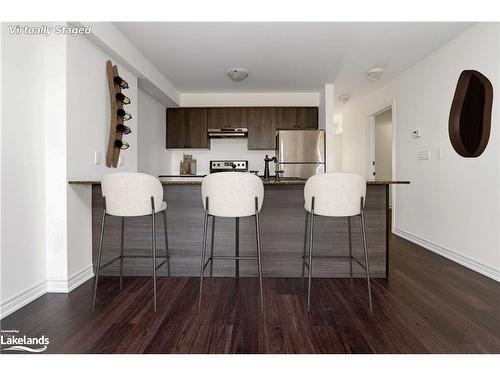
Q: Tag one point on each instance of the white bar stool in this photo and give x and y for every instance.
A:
(335, 195)
(231, 194)
(129, 194)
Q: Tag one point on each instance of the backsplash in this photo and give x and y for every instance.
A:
(222, 149)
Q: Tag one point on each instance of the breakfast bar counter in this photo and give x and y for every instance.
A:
(282, 233)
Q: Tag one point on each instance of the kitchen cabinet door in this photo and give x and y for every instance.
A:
(307, 117)
(236, 117)
(261, 128)
(197, 127)
(217, 118)
(176, 128)
(286, 118)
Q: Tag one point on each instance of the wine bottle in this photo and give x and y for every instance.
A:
(122, 98)
(120, 82)
(121, 144)
(123, 129)
(122, 113)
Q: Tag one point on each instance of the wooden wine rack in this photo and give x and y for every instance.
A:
(113, 152)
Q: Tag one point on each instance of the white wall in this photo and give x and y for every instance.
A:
(110, 40)
(276, 99)
(88, 119)
(327, 114)
(383, 145)
(22, 170)
(153, 158)
(55, 115)
(355, 127)
(452, 205)
(88, 113)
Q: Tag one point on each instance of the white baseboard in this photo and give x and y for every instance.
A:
(22, 299)
(62, 285)
(80, 277)
(50, 286)
(450, 254)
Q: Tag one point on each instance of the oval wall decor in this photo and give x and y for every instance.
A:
(470, 114)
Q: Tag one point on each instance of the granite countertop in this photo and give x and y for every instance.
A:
(196, 180)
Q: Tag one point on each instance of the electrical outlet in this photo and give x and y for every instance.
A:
(423, 155)
(439, 154)
(97, 158)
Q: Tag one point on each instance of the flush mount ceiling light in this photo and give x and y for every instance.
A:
(374, 74)
(344, 98)
(237, 74)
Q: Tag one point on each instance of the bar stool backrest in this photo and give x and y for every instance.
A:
(129, 194)
(232, 194)
(335, 194)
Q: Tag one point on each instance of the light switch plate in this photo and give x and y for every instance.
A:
(97, 158)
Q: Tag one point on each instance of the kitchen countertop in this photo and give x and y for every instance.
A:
(195, 180)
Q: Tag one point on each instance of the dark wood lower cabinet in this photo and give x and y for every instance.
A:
(282, 235)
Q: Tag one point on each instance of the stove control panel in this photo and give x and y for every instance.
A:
(228, 166)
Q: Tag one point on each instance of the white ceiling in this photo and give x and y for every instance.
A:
(296, 57)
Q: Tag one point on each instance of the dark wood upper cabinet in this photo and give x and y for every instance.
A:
(176, 128)
(286, 117)
(187, 128)
(227, 117)
(297, 118)
(470, 115)
(261, 128)
(237, 117)
(307, 117)
(217, 118)
(197, 130)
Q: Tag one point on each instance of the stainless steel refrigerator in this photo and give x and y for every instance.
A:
(301, 153)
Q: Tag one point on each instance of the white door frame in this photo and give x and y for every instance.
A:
(371, 149)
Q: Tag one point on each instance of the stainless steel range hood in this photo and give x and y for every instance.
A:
(228, 133)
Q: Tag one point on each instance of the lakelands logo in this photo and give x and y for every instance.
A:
(47, 30)
(10, 340)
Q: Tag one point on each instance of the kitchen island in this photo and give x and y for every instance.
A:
(282, 233)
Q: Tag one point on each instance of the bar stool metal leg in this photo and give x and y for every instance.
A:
(304, 250)
(237, 247)
(311, 246)
(153, 249)
(365, 250)
(212, 247)
(203, 248)
(350, 247)
(167, 252)
(259, 259)
(121, 252)
(99, 255)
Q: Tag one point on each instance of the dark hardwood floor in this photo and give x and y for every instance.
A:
(428, 305)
